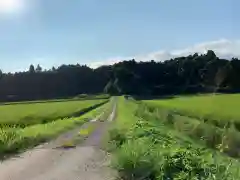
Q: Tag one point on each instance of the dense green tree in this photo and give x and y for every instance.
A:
(186, 74)
(38, 68)
(32, 69)
(1, 74)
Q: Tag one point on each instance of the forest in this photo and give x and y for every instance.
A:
(196, 73)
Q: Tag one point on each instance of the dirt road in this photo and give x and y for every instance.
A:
(85, 161)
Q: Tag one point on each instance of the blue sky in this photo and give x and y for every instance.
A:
(96, 32)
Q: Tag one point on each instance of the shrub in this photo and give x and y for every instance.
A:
(117, 137)
(135, 160)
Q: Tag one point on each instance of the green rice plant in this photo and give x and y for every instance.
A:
(22, 115)
(220, 110)
(94, 96)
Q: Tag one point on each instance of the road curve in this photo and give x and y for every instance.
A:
(46, 162)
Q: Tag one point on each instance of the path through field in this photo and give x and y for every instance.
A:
(85, 161)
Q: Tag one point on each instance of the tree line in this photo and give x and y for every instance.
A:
(189, 74)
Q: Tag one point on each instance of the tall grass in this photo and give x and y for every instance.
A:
(144, 148)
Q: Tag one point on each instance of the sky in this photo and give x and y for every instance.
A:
(98, 32)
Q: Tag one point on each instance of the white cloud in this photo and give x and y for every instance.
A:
(12, 6)
(109, 61)
(223, 48)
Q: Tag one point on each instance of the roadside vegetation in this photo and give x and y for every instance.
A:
(148, 147)
(214, 120)
(16, 139)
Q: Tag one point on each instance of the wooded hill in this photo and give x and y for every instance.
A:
(190, 74)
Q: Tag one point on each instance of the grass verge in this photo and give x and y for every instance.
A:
(144, 148)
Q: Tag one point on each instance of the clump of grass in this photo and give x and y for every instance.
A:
(116, 137)
(68, 144)
(87, 130)
(7, 139)
(84, 132)
(135, 160)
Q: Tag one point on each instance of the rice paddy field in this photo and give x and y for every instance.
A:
(212, 119)
(211, 106)
(25, 125)
(42, 112)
